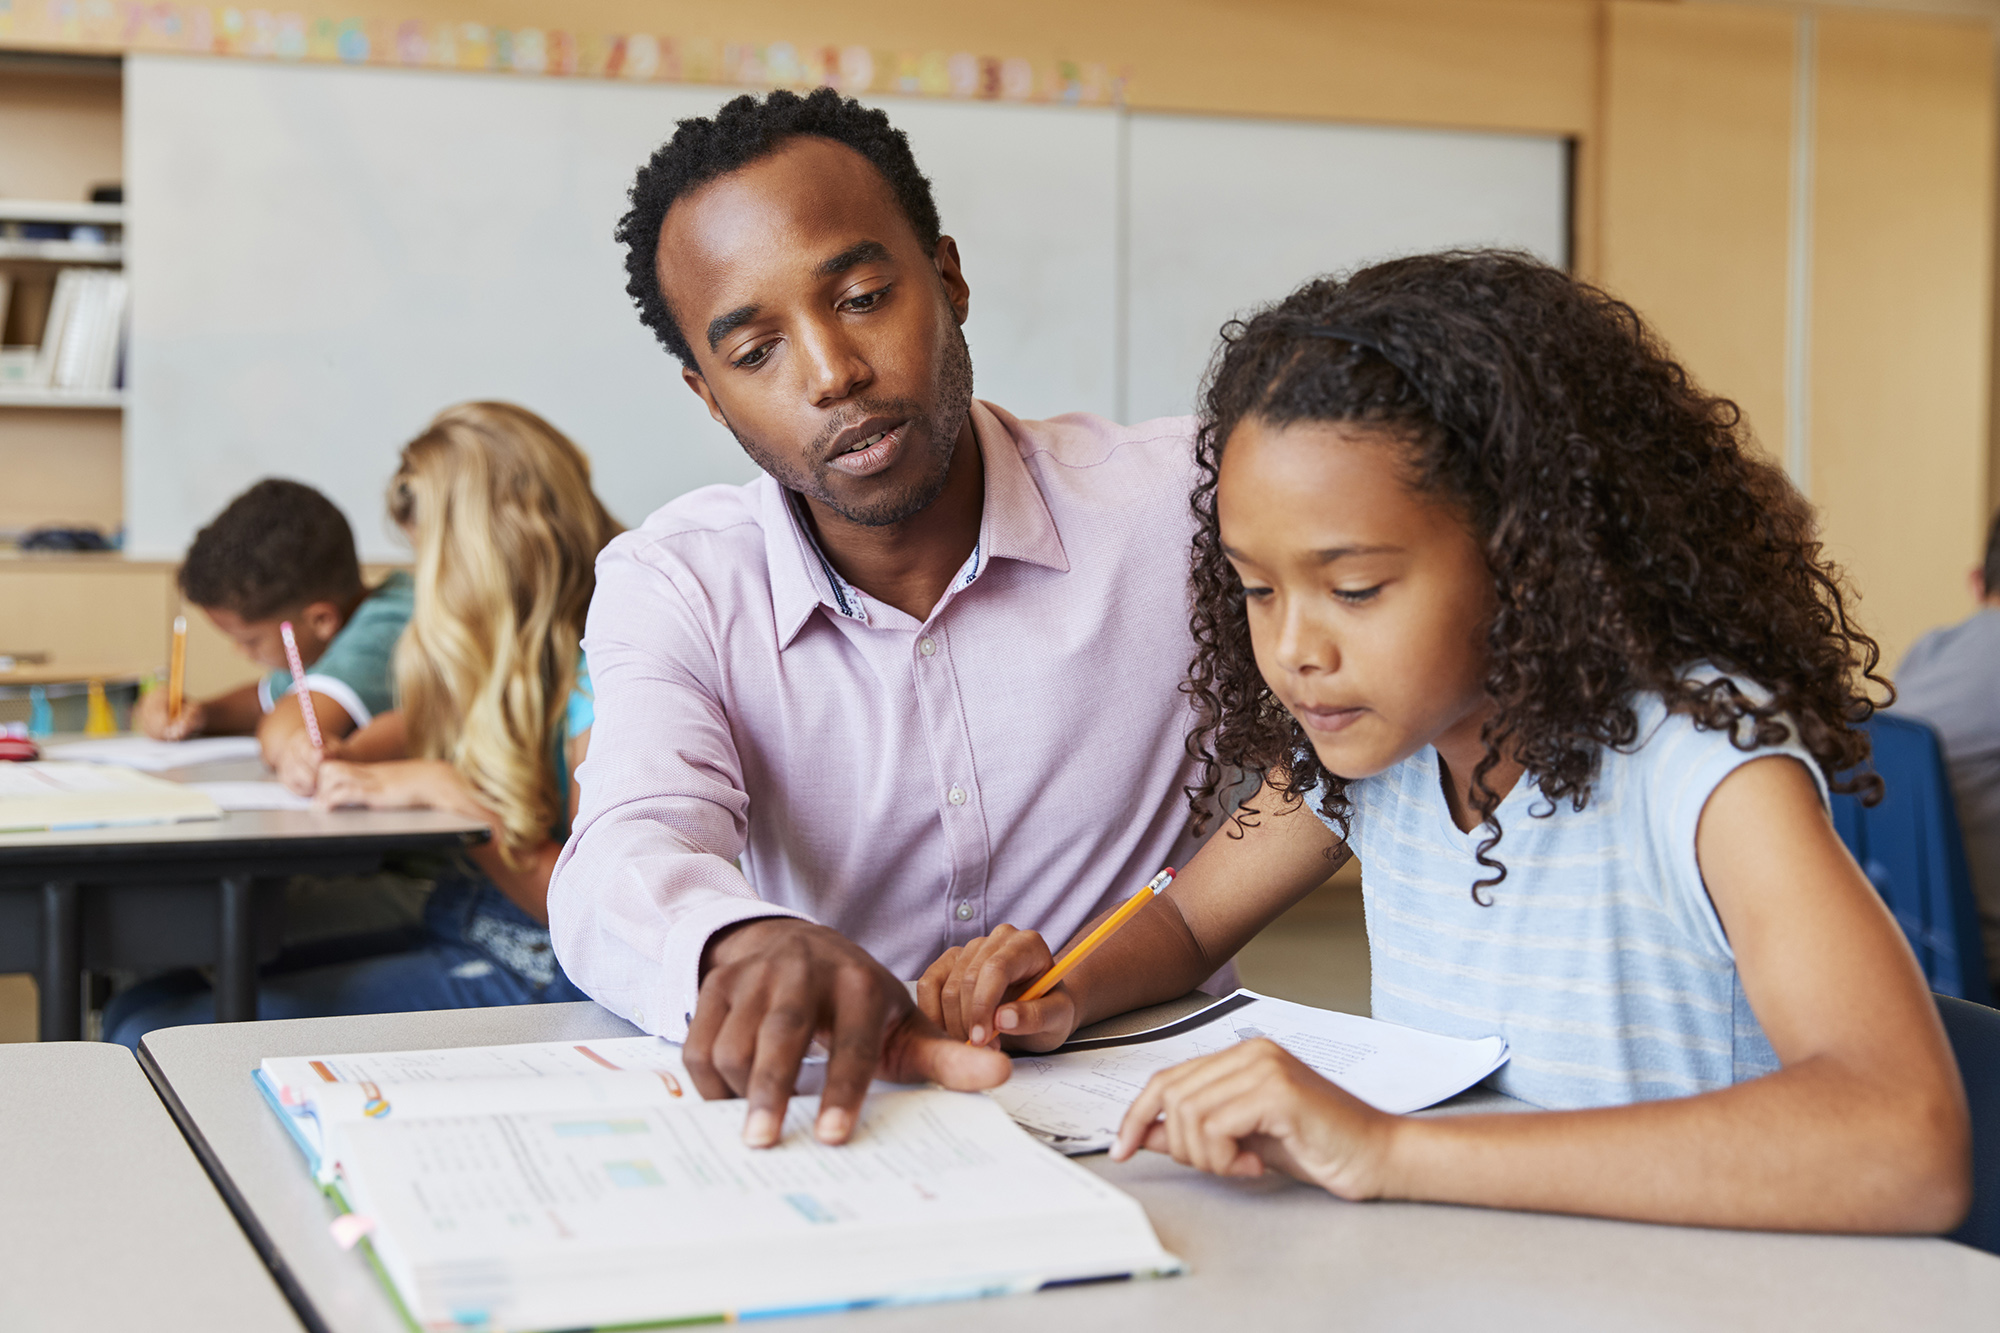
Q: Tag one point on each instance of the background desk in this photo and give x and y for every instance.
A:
(108, 1221)
(131, 896)
(1264, 1254)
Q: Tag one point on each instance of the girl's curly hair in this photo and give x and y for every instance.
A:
(1629, 531)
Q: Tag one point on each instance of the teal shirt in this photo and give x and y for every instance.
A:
(357, 670)
(577, 717)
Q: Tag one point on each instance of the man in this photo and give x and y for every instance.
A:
(919, 679)
(1951, 679)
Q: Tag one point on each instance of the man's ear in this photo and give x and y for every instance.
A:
(693, 379)
(1977, 579)
(952, 275)
(324, 619)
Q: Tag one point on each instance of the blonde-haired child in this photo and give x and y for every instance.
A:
(493, 708)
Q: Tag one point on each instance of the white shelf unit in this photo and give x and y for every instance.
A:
(60, 253)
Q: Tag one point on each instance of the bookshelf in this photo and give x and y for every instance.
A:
(61, 137)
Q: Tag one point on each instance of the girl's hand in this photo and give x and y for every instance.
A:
(963, 993)
(400, 785)
(1257, 1106)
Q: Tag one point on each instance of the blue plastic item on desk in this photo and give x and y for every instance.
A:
(41, 718)
(1911, 850)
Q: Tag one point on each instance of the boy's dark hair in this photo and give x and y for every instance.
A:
(1629, 533)
(1992, 567)
(276, 547)
(742, 132)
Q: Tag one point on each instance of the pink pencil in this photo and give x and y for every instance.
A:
(298, 684)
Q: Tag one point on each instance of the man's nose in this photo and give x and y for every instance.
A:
(835, 369)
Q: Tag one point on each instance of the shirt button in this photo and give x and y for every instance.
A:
(638, 1018)
(927, 646)
(965, 911)
(956, 795)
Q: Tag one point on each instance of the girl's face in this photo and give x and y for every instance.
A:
(1368, 602)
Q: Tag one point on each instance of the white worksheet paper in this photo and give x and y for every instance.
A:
(252, 795)
(1073, 1100)
(151, 756)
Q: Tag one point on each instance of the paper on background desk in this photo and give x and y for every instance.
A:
(252, 795)
(1072, 1100)
(151, 756)
(49, 795)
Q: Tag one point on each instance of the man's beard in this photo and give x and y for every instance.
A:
(940, 426)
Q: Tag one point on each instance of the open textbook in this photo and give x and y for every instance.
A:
(39, 797)
(1072, 1099)
(568, 1185)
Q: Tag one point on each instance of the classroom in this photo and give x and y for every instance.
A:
(1322, 664)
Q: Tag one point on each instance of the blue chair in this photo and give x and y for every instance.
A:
(1911, 850)
(1975, 1039)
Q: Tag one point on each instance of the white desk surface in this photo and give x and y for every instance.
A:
(107, 1221)
(1264, 1254)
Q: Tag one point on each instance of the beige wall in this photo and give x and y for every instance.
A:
(1683, 116)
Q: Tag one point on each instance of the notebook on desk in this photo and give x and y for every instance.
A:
(1072, 1099)
(568, 1185)
(55, 797)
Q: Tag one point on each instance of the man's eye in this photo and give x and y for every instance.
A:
(753, 358)
(867, 300)
(1356, 596)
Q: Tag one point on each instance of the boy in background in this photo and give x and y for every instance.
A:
(282, 551)
(1951, 679)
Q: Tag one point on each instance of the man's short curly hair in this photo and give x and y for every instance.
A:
(704, 148)
(278, 546)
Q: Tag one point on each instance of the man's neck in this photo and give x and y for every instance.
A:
(909, 565)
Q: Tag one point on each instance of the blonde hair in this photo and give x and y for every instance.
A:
(506, 527)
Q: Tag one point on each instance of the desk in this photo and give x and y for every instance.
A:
(109, 1221)
(220, 862)
(1264, 1254)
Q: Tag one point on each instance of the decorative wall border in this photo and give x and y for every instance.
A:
(323, 36)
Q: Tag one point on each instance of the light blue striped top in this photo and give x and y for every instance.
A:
(1601, 960)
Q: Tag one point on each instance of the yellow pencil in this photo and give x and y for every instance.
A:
(1088, 944)
(177, 669)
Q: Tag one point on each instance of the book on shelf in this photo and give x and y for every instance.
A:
(81, 342)
(566, 1185)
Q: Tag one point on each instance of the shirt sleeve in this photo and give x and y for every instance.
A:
(649, 872)
(357, 670)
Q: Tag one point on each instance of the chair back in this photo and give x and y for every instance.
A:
(1975, 1039)
(1910, 848)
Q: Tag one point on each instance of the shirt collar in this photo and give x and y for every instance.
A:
(1014, 524)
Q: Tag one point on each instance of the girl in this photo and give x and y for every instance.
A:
(493, 700)
(1497, 599)
(493, 695)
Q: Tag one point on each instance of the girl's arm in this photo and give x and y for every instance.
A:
(433, 784)
(1231, 889)
(1863, 1129)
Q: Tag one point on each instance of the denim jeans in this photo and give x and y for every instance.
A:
(480, 949)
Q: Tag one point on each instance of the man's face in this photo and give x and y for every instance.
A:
(825, 337)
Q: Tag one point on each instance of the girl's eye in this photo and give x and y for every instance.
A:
(1357, 596)
(753, 358)
(1255, 593)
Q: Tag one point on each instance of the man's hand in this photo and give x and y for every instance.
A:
(964, 989)
(151, 717)
(770, 986)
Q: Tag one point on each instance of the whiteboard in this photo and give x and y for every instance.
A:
(1231, 214)
(322, 257)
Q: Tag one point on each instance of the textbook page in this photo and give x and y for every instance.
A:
(1073, 1099)
(54, 796)
(614, 1215)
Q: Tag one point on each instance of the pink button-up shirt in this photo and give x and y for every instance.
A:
(1018, 757)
